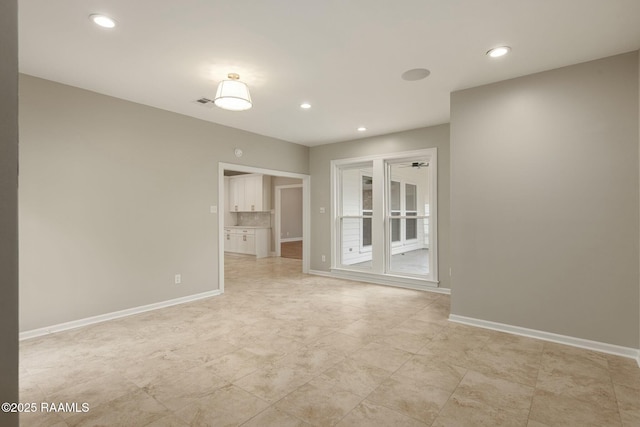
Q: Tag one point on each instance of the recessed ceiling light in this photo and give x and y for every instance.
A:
(102, 20)
(497, 52)
(362, 129)
(305, 105)
(415, 74)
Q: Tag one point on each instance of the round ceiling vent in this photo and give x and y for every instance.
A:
(415, 74)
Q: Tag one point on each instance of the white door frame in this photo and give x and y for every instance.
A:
(306, 211)
(380, 272)
(278, 209)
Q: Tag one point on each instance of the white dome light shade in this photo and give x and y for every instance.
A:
(103, 21)
(233, 94)
(497, 52)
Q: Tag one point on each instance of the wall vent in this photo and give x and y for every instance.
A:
(205, 102)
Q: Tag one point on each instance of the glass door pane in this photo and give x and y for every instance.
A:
(355, 216)
(411, 209)
(367, 209)
(395, 210)
(408, 244)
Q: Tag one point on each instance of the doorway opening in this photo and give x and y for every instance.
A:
(288, 221)
(249, 219)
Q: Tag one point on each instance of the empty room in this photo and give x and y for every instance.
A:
(295, 213)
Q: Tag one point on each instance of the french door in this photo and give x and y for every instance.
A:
(384, 216)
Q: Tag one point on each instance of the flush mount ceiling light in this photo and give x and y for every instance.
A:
(305, 105)
(233, 94)
(497, 52)
(362, 129)
(103, 20)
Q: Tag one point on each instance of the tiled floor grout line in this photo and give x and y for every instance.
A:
(387, 378)
(450, 396)
(535, 386)
(615, 394)
(161, 404)
(373, 391)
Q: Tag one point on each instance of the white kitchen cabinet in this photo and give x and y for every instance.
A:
(249, 241)
(229, 242)
(250, 193)
(246, 243)
(236, 194)
(252, 198)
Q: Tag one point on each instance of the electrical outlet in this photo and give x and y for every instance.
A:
(178, 279)
(324, 258)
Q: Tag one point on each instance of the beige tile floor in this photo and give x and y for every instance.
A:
(280, 348)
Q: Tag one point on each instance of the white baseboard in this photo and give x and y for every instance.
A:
(617, 350)
(291, 239)
(320, 273)
(385, 281)
(114, 315)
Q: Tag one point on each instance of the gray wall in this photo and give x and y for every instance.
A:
(291, 215)
(544, 201)
(9, 208)
(281, 180)
(114, 200)
(321, 156)
(275, 181)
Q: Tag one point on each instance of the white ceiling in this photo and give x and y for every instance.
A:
(345, 57)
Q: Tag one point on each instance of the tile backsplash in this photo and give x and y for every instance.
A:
(254, 219)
